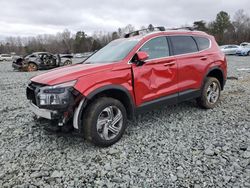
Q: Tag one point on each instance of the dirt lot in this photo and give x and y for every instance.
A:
(176, 146)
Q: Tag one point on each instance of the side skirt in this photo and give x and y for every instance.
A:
(168, 100)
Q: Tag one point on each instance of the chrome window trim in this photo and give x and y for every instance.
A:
(191, 35)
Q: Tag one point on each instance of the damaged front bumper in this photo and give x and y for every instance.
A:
(20, 64)
(54, 103)
(44, 113)
(16, 66)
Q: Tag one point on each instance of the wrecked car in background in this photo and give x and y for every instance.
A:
(40, 61)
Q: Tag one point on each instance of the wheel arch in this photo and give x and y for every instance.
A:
(67, 60)
(117, 92)
(218, 73)
(33, 63)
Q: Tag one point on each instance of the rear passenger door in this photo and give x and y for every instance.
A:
(191, 61)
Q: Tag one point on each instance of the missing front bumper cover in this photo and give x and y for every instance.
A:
(44, 113)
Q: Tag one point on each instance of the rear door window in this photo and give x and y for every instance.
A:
(183, 44)
(202, 42)
(156, 48)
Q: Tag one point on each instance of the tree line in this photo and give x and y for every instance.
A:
(226, 30)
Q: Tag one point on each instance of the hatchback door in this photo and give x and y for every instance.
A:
(157, 77)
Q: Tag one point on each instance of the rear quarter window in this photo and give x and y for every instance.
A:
(202, 42)
(183, 44)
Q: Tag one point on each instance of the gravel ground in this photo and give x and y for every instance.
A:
(178, 146)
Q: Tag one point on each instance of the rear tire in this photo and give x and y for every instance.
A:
(210, 93)
(104, 121)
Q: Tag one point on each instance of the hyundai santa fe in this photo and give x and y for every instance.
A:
(143, 70)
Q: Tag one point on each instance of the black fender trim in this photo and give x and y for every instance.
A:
(131, 105)
(212, 69)
(109, 87)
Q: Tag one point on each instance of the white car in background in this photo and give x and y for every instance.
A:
(244, 49)
(245, 44)
(229, 49)
(6, 57)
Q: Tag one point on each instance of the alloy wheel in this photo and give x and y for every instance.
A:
(32, 67)
(213, 93)
(109, 122)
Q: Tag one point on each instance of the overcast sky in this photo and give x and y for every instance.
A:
(32, 17)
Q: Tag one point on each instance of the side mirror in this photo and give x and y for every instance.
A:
(142, 56)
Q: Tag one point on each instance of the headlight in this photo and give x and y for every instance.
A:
(56, 95)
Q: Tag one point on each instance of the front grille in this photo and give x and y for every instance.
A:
(31, 91)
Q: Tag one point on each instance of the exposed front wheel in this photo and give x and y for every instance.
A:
(32, 67)
(210, 93)
(104, 121)
(67, 62)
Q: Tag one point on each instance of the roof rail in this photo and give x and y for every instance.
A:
(147, 30)
(179, 28)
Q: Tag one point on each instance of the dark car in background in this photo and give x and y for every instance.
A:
(41, 61)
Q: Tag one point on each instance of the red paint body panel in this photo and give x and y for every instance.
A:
(156, 78)
(120, 74)
(69, 73)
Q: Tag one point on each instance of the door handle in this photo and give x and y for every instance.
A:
(203, 58)
(169, 63)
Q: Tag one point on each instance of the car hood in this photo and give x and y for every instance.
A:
(69, 73)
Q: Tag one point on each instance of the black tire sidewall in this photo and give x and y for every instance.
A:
(203, 99)
(93, 114)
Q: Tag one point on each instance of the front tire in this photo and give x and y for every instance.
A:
(210, 93)
(67, 62)
(104, 122)
(32, 67)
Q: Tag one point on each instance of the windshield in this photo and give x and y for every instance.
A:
(114, 51)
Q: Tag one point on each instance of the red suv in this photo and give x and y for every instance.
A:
(145, 69)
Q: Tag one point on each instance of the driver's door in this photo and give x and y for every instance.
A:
(157, 77)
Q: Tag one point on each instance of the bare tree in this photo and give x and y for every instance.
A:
(241, 24)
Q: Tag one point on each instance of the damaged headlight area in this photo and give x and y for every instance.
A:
(57, 97)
